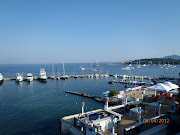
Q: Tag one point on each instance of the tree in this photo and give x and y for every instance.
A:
(113, 92)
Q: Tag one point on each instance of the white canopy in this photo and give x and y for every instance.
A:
(170, 84)
(160, 87)
(174, 91)
(105, 93)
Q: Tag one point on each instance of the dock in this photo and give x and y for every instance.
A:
(96, 98)
(80, 94)
(124, 81)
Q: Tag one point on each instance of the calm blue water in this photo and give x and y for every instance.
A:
(34, 108)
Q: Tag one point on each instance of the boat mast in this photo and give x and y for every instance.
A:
(53, 68)
(63, 68)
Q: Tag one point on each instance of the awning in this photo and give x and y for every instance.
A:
(160, 87)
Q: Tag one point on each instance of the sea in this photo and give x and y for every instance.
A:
(34, 108)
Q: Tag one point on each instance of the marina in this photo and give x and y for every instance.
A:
(28, 100)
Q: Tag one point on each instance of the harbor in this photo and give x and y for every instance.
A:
(30, 94)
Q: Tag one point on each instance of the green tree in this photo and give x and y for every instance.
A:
(113, 92)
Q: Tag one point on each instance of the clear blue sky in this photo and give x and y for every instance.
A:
(41, 31)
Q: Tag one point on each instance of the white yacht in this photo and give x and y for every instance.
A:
(83, 69)
(42, 75)
(115, 76)
(29, 77)
(96, 75)
(93, 70)
(106, 75)
(19, 78)
(1, 78)
(126, 68)
(144, 65)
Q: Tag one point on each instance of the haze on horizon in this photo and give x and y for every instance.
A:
(44, 31)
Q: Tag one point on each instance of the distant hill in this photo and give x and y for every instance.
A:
(155, 61)
(172, 57)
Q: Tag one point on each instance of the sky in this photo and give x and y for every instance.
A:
(49, 31)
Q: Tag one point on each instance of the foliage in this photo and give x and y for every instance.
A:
(113, 92)
(156, 61)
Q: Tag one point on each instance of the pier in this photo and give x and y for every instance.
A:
(80, 94)
(123, 81)
(99, 99)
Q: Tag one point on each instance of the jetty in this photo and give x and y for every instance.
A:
(96, 98)
(80, 94)
(123, 81)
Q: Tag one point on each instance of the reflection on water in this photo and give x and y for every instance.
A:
(30, 84)
(1, 82)
(19, 83)
(42, 81)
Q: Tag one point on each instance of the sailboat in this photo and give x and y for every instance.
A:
(106, 75)
(75, 76)
(52, 76)
(173, 65)
(97, 63)
(139, 65)
(92, 69)
(64, 76)
(82, 68)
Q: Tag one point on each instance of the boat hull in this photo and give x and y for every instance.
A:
(1, 82)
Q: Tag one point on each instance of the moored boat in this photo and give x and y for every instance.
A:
(42, 75)
(29, 77)
(1, 78)
(19, 78)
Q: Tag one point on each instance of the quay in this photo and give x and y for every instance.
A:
(112, 101)
(124, 81)
(80, 94)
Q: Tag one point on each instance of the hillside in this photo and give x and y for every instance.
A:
(156, 61)
(172, 57)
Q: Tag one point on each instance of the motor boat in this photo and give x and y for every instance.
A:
(96, 75)
(93, 70)
(29, 77)
(42, 75)
(126, 68)
(106, 75)
(19, 78)
(1, 78)
(83, 69)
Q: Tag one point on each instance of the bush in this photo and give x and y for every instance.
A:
(113, 92)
